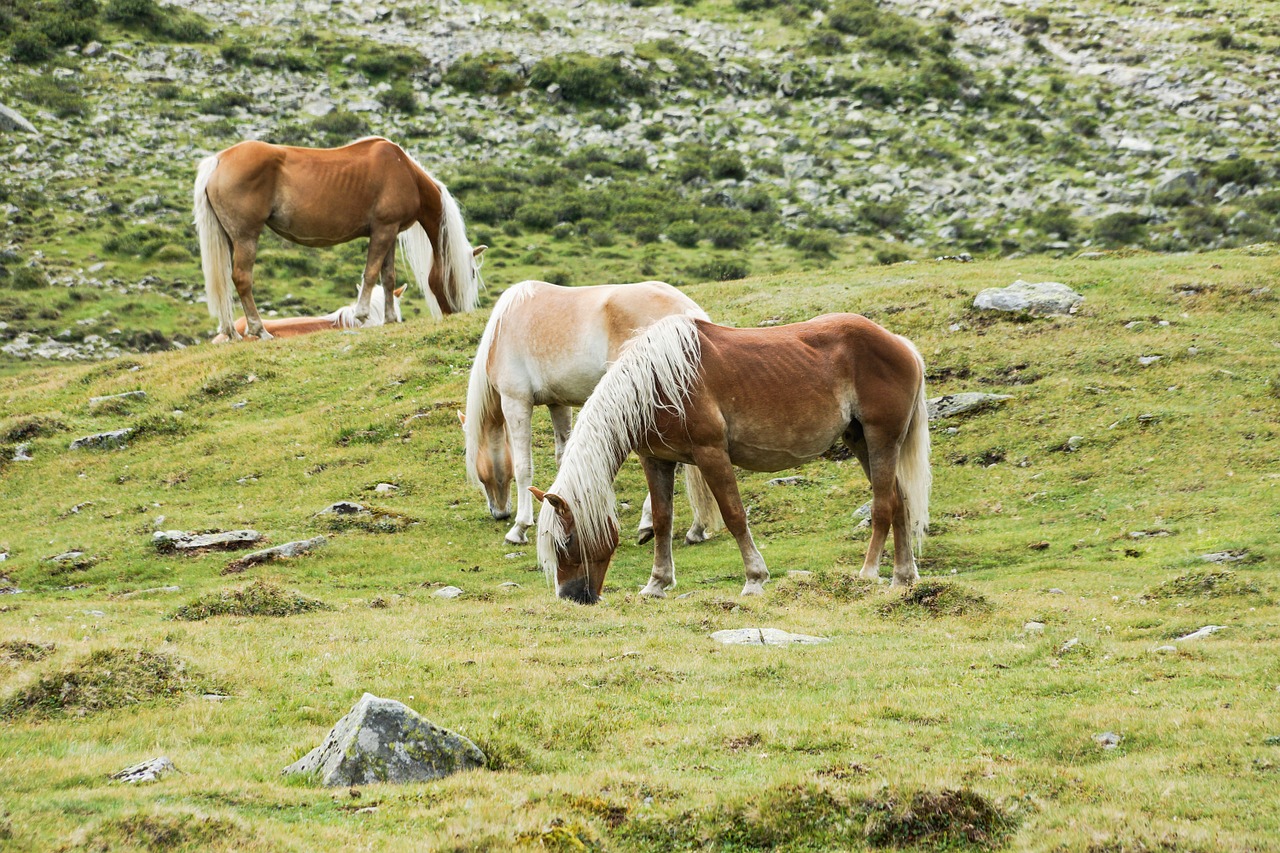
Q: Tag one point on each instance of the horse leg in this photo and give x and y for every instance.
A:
(519, 417)
(886, 505)
(718, 472)
(706, 518)
(244, 252)
(389, 285)
(561, 423)
(661, 476)
(381, 241)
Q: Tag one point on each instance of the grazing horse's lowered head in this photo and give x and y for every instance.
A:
(493, 469)
(580, 566)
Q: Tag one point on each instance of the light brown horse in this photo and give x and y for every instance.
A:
(547, 345)
(343, 318)
(762, 399)
(322, 197)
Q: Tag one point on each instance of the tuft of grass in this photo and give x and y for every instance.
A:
(37, 427)
(1205, 584)
(105, 680)
(946, 820)
(25, 651)
(259, 598)
(825, 586)
(936, 598)
(181, 831)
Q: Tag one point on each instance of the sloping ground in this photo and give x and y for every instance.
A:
(624, 724)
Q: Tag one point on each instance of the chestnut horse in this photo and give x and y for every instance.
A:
(763, 399)
(343, 318)
(322, 197)
(546, 345)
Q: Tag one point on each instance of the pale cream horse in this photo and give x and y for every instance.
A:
(546, 345)
(325, 196)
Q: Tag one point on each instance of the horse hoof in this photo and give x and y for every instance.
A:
(644, 535)
(692, 538)
(516, 537)
(753, 588)
(653, 590)
(903, 583)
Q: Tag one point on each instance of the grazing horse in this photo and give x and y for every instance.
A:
(343, 318)
(546, 345)
(762, 399)
(322, 197)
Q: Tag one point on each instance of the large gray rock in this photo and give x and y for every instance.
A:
(103, 440)
(764, 637)
(147, 771)
(177, 540)
(951, 405)
(382, 740)
(1044, 298)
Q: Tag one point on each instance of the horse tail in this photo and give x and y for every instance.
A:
(914, 475)
(461, 287)
(706, 511)
(415, 248)
(215, 249)
(482, 398)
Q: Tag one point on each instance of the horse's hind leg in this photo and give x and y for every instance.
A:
(718, 472)
(661, 477)
(244, 251)
(519, 417)
(381, 241)
(886, 506)
(561, 423)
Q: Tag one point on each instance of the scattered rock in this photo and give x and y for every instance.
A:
(1225, 556)
(799, 573)
(155, 590)
(22, 453)
(147, 771)
(1164, 650)
(103, 440)
(10, 120)
(952, 405)
(786, 481)
(386, 488)
(1073, 643)
(447, 592)
(764, 637)
(1145, 360)
(279, 552)
(1033, 628)
(345, 508)
(1108, 740)
(8, 587)
(167, 541)
(509, 585)
(382, 740)
(1202, 633)
(1045, 298)
(71, 561)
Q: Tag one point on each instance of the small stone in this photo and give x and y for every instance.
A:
(1164, 650)
(279, 552)
(147, 771)
(1225, 556)
(799, 573)
(1202, 633)
(1069, 645)
(786, 481)
(764, 637)
(386, 488)
(22, 453)
(1033, 628)
(509, 585)
(344, 508)
(447, 592)
(952, 405)
(1108, 740)
(1056, 591)
(102, 440)
(176, 540)
(1144, 360)
(127, 395)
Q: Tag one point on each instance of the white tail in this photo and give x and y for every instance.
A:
(706, 511)
(415, 248)
(215, 250)
(482, 397)
(462, 281)
(914, 476)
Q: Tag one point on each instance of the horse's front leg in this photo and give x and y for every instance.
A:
(718, 472)
(381, 241)
(561, 423)
(389, 285)
(519, 416)
(661, 477)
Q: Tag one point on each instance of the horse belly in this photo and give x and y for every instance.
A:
(778, 446)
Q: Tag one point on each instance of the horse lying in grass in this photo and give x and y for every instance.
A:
(546, 345)
(343, 318)
(688, 391)
(322, 197)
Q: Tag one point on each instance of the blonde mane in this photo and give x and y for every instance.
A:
(655, 372)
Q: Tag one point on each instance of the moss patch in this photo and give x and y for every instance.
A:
(1205, 584)
(260, 598)
(935, 598)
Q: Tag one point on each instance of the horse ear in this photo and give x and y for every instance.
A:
(462, 418)
(538, 493)
(555, 500)
(399, 291)
(478, 254)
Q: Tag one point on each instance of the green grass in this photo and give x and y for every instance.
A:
(623, 725)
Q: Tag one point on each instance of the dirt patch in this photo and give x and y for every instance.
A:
(107, 679)
(947, 819)
(260, 598)
(936, 598)
(1205, 584)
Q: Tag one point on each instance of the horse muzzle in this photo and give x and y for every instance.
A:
(579, 590)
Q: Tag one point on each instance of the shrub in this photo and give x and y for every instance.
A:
(489, 73)
(886, 256)
(63, 29)
(62, 97)
(30, 47)
(728, 234)
(400, 98)
(1241, 170)
(728, 165)
(884, 215)
(133, 12)
(686, 233)
(586, 79)
(26, 278)
(721, 269)
(811, 242)
(259, 598)
(1119, 228)
(1055, 219)
(536, 215)
(340, 127)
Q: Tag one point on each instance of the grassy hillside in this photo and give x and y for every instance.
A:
(1084, 503)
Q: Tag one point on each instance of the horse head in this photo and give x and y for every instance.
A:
(579, 567)
(493, 464)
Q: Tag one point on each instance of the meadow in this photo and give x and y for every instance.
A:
(938, 719)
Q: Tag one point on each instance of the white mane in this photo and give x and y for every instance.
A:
(655, 371)
(482, 397)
